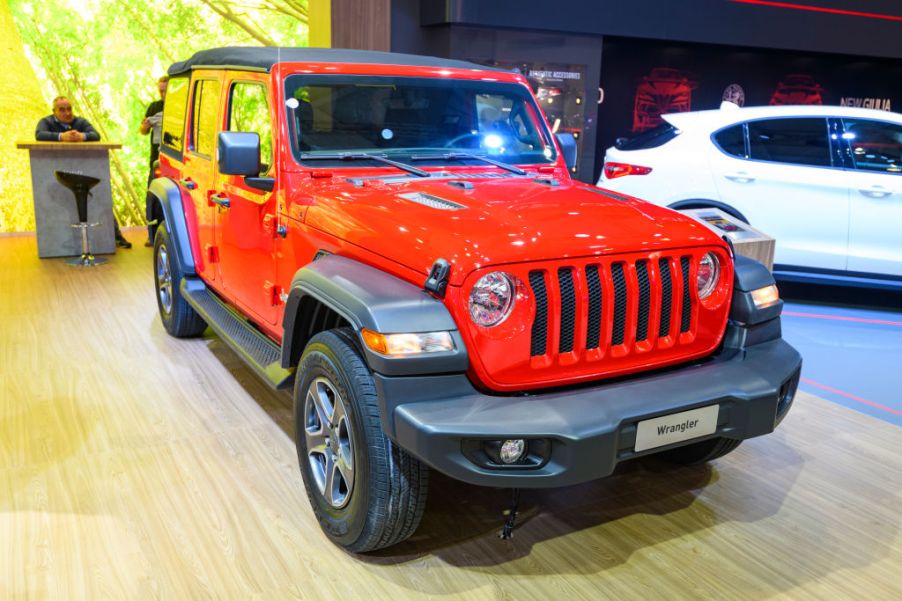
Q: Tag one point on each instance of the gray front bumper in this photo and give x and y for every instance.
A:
(590, 429)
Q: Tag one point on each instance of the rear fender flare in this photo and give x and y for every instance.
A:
(701, 203)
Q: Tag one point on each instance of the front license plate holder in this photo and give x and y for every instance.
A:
(676, 427)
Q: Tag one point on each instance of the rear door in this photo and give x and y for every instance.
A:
(246, 227)
(788, 180)
(198, 171)
(875, 193)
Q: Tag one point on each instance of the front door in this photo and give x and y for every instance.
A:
(875, 194)
(792, 187)
(246, 229)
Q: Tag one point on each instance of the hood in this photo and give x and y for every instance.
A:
(475, 223)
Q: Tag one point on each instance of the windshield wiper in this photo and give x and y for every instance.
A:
(363, 156)
(452, 156)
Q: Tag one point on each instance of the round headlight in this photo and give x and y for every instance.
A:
(708, 274)
(491, 299)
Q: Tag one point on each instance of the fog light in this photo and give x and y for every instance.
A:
(512, 450)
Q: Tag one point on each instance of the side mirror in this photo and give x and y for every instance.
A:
(239, 153)
(568, 148)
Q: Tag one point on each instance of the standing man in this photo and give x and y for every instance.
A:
(64, 126)
(153, 124)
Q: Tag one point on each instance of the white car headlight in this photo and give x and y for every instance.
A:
(707, 275)
(491, 299)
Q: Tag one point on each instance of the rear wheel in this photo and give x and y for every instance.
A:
(366, 492)
(700, 452)
(178, 317)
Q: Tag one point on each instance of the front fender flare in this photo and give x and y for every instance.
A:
(367, 297)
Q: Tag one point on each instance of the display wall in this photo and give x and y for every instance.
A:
(105, 56)
(642, 79)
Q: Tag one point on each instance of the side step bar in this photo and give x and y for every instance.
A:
(258, 351)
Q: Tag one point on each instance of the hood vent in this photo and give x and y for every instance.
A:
(432, 201)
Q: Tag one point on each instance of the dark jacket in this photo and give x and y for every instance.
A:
(49, 129)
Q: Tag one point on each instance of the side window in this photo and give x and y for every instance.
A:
(174, 114)
(249, 111)
(732, 141)
(876, 145)
(204, 114)
(800, 141)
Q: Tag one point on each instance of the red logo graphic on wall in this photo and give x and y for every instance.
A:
(797, 88)
(660, 92)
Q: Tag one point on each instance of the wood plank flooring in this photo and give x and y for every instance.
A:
(137, 466)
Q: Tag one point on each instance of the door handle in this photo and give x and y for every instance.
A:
(222, 201)
(875, 192)
(740, 177)
(188, 183)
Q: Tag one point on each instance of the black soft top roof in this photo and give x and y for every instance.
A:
(257, 57)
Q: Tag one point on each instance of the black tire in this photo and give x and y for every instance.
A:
(700, 452)
(178, 317)
(384, 489)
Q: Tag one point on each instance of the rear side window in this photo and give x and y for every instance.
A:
(204, 114)
(653, 138)
(732, 141)
(800, 141)
(174, 115)
(875, 145)
(249, 112)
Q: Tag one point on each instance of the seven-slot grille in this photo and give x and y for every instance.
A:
(623, 303)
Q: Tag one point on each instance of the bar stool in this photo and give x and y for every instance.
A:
(81, 187)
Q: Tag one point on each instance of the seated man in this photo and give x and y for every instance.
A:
(64, 126)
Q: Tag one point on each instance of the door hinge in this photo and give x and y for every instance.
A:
(272, 294)
(212, 253)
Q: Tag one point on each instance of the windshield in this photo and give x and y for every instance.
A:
(429, 120)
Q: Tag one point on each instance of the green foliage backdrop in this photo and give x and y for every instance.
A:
(106, 55)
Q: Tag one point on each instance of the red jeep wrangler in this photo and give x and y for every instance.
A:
(399, 238)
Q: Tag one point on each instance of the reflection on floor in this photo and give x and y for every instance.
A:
(135, 466)
(851, 341)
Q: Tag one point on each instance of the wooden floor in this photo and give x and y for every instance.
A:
(137, 466)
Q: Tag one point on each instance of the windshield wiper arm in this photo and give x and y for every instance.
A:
(451, 156)
(363, 156)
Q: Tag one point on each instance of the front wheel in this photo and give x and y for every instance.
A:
(366, 492)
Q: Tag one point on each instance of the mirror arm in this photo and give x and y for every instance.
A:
(260, 183)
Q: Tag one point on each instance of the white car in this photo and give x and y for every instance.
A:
(824, 181)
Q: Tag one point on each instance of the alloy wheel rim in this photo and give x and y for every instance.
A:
(164, 280)
(329, 443)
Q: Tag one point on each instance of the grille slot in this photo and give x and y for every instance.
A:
(666, 297)
(619, 304)
(568, 309)
(644, 301)
(540, 325)
(686, 317)
(593, 283)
